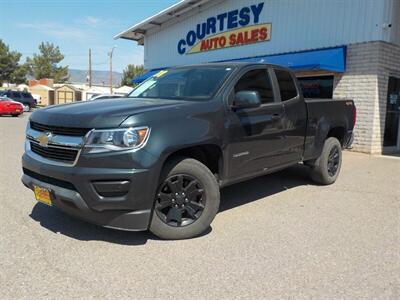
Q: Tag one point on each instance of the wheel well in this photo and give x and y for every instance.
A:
(337, 132)
(209, 155)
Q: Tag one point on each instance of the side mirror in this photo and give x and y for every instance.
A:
(247, 99)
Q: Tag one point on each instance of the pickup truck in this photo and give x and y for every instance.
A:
(156, 160)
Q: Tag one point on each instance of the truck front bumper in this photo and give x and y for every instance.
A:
(114, 198)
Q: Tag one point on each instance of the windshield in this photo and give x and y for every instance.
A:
(183, 83)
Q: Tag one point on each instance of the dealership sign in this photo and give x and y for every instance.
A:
(234, 28)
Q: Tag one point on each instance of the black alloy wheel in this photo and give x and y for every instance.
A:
(326, 168)
(180, 200)
(333, 161)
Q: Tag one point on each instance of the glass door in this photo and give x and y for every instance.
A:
(392, 124)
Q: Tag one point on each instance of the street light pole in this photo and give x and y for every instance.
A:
(111, 81)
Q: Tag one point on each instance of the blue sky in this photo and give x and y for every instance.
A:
(75, 26)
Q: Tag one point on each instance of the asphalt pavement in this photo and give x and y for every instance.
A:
(277, 236)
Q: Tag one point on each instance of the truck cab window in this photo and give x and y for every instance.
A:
(286, 83)
(257, 80)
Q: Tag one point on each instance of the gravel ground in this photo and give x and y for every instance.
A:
(278, 236)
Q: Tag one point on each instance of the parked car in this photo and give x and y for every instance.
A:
(24, 98)
(157, 159)
(10, 107)
(105, 96)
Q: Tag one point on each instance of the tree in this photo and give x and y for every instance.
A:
(10, 69)
(45, 64)
(130, 72)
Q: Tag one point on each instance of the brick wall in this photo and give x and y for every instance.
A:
(368, 68)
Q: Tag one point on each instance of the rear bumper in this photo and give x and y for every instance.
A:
(12, 112)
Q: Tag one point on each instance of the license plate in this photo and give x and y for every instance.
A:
(42, 195)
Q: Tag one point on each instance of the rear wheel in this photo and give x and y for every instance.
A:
(27, 107)
(326, 168)
(187, 200)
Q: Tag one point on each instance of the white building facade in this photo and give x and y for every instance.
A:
(340, 48)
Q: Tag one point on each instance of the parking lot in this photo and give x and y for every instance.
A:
(278, 236)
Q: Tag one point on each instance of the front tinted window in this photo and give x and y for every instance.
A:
(183, 83)
(26, 95)
(286, 83)
(15, 95)
(256, 80)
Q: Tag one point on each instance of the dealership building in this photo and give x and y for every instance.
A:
(345, 49)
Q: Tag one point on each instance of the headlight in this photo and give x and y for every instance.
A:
(116, 139)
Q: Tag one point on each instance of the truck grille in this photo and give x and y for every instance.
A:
(71, 131)
(60, 154)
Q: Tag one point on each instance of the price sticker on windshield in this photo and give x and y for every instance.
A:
(161, 73)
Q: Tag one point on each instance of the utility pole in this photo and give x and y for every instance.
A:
(90, 67)
(111, 81)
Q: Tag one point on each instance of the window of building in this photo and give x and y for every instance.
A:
(317, 87)
(287, 87)
(257, 80)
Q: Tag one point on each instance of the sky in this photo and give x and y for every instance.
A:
(75, 26)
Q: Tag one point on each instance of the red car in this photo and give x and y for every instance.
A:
(10, 107)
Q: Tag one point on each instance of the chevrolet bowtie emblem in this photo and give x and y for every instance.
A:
(44, 139)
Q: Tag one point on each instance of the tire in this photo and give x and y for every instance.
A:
(15, 116)
(177, 217)
(326, 168)
(27, 107)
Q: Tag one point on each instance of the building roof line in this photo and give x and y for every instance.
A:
(137, 31)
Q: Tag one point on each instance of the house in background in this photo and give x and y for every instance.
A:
(67, 93)
(42, 90)
(44, 93)
(94, 91)
(123, 90)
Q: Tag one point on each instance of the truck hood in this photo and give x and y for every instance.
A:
(107, 113)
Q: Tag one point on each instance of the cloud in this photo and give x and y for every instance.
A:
(90, 21)
(56, 30)
(95, 22)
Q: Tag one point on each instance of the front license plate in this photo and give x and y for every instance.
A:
(42, 195)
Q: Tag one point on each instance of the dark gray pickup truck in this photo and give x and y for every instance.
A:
(156, 160)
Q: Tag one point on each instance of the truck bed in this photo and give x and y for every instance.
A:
(324, 114)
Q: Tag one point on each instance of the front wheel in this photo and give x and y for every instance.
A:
(187, 200)
(326, 168)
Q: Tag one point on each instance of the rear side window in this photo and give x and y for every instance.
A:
(286, 83)
(257, 80)
(26, 95)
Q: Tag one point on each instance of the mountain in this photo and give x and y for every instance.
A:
(98, 77)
